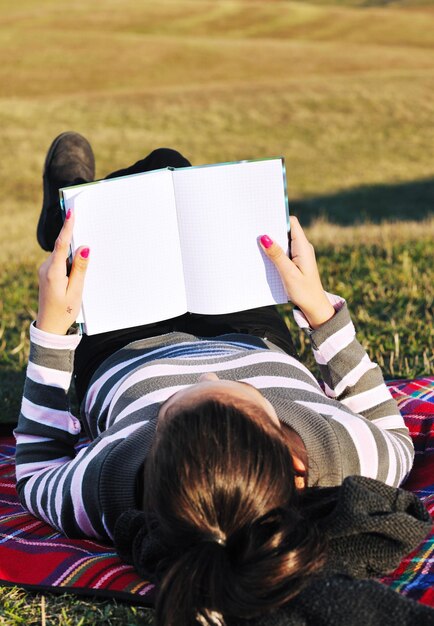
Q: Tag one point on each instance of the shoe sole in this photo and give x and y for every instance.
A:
(46, 190)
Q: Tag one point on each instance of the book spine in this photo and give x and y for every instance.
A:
(285, 191)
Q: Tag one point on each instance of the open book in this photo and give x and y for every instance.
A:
(175, 240)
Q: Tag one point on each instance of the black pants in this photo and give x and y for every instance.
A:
(261, 322)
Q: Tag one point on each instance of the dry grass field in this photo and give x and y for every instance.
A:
(344, 91)
(345, 94)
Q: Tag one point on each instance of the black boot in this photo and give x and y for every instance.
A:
(69, 161)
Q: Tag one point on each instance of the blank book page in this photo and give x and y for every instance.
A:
(222, 210)
(135, 272)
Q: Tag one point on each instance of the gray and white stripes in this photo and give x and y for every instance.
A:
(353, 428)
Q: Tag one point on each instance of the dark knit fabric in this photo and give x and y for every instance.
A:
(368, 527)
(138, 543)
(339, 600)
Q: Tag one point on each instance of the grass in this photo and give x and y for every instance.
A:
(343, 91)
(388, 284)
(18, 607)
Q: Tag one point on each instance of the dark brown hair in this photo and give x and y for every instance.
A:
(219, 482)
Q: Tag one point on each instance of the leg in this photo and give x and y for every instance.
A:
(70, 161)
(92, 351)
(158, 159)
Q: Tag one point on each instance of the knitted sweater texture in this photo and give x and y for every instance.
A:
(353, 426)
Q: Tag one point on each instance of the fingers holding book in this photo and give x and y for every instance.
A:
(59, 294)
(300, 275)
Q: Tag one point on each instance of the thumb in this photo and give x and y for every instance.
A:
(288, 271)
(78, 272)
(276, 254)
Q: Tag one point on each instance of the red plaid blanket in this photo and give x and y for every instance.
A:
(415, 575)
(35, 556)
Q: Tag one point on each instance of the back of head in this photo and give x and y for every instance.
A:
(220, 485)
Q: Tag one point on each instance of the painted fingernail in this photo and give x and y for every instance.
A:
(266, 241)
(68, 215)
(85, 253)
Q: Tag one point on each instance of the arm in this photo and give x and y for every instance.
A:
(46, 431)
(54, 482)
(350, 377)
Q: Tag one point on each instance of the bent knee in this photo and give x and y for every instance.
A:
(169, 157)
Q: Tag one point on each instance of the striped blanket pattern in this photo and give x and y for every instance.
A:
(34, 556)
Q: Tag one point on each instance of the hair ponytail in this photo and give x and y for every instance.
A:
(220, 486)
(210, 581)
(191, 584)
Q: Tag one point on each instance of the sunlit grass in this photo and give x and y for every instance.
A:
(21, 608)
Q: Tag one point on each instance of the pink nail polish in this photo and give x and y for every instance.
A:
(266, 241)
(68, 215)
(85, 253)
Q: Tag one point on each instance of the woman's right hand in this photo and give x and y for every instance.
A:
(300, 275)
(60, 294)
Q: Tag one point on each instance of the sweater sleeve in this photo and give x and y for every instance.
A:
(47, 465)
(357, 383)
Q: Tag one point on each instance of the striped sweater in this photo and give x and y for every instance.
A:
(353, 426)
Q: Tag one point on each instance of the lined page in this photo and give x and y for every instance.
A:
(135, 273)
(222, 210)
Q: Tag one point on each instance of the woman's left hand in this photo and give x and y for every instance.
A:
(300, 275)
(59, 294)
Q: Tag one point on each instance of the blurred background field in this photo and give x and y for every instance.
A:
(343, 91)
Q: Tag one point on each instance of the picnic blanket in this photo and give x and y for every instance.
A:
(34, 556)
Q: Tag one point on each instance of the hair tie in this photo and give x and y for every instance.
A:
(215, 539)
